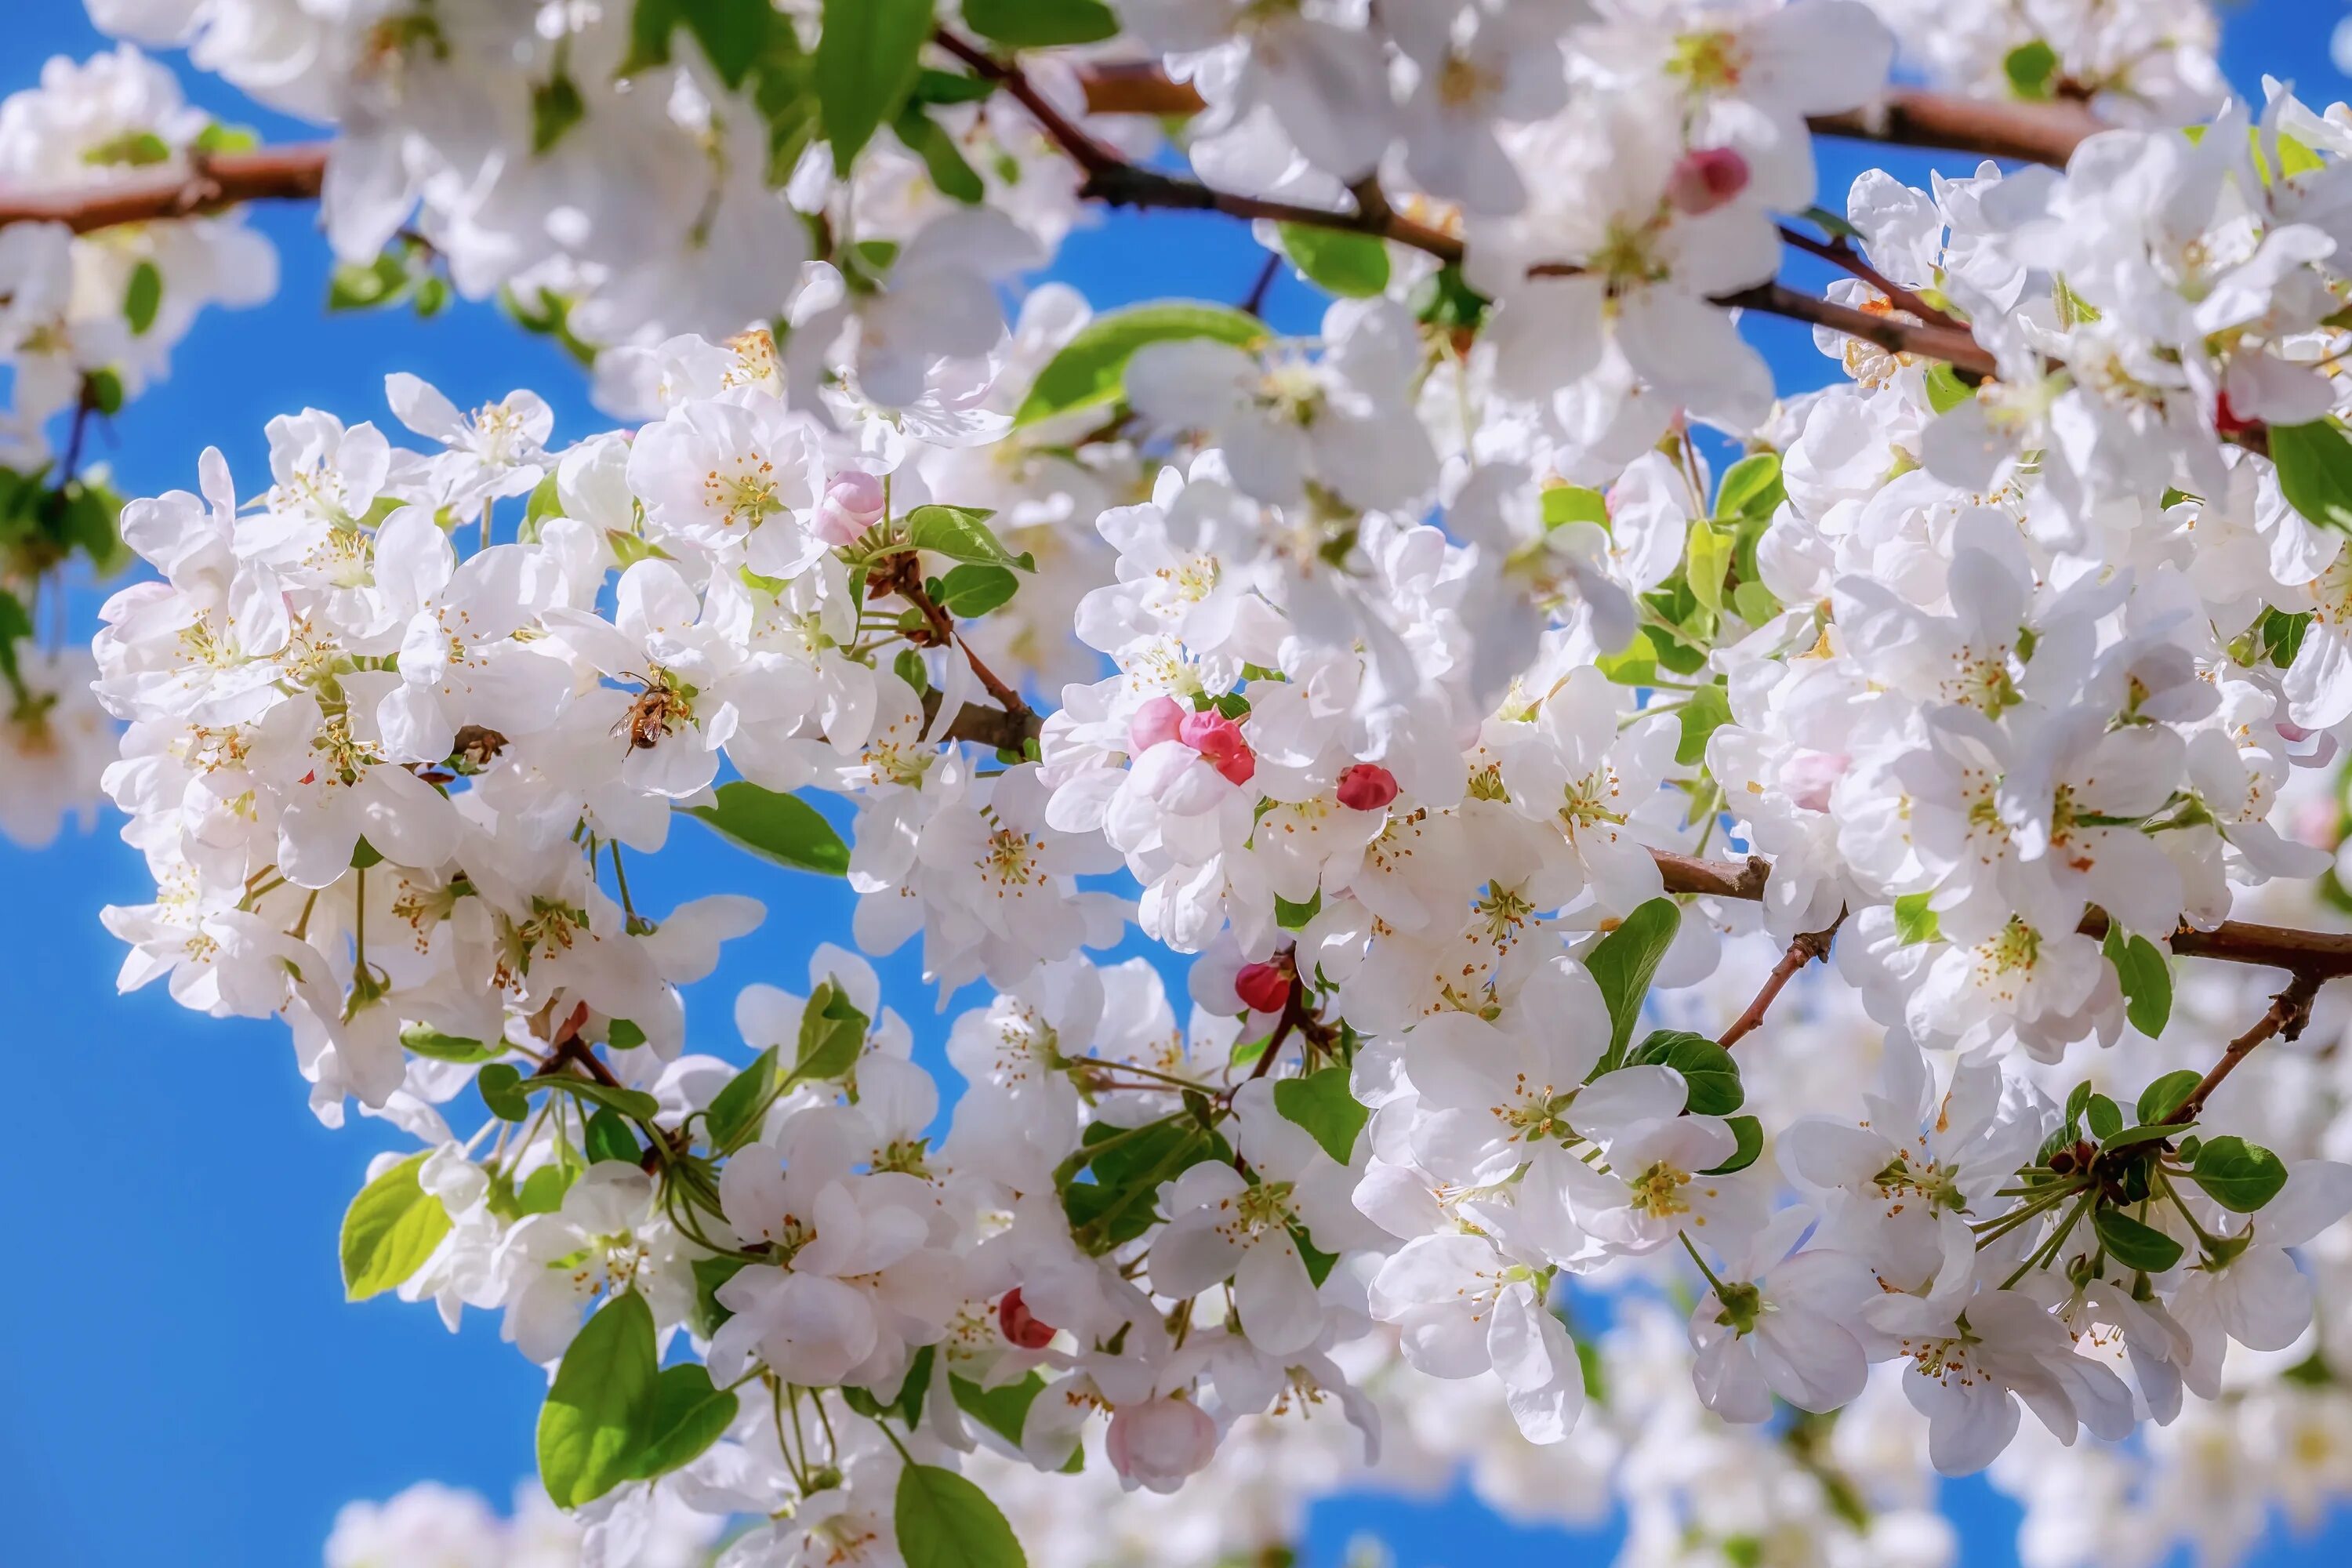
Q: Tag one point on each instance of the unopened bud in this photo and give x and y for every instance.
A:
(1263, 987)
(1366, 786)
(1157, 721)
(1013, 1315)
(1706, 179)
(852, 504)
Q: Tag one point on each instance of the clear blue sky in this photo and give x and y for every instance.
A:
(181, 1381)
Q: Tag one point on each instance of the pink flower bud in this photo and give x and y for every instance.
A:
(852, 504)
(1155, 721)
(1160, 1442)
(1706, 179)
(1811, 777)
(1366, 786)
(1219, 740)
(1263, 987)
(1013, 1316)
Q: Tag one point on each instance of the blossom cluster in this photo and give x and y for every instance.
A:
(1403, 676)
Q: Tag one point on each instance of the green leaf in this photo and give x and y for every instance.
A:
(1946, 390)
(1750, 1133)
(1040, 24)
(2133, 1244)
(2104, 1116)
(833, 1033)
(688, 1416)
(1706, 560)
(2159, 1099)
(1091, 368)
(961, 533)
(1318, 1262)
(1751, 488)
(217, 139)
(866, 63)
(2145, 1132)
(2239, 1176)
(142, 298)
(945, 1522)
(1622, 962)
(945, 162)
(105, 390)
(907, 1404)
(1914, 921)
(132, 150)
(782, 827)
(974, 589)
(500, 1084)
(426, 1041)
(391, 1228)
(1128, 1175)
(1754, 603)
(366, 286)
(1293, 917)
(1707, 1069)
(1352, 266)
(2147, 980)
(2029, 68)
(2314, 470)
(598, 1419)
(1564, 504)
(1003, 1410)
(609, 1138)
(634, 1103)
(937, 87)
(556, 106)
(1707, 710)
(1321, 1103)
(1830, 222)
(543, 1191)
(709, 1274)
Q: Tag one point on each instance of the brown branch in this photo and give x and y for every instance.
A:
(1807, 947)
(292, 174)
(2290, 1010)
(1843, 256)
(2320, 956)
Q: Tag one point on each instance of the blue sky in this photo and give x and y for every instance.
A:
(182, 1382)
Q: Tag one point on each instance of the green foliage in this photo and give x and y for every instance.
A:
(2133, 1244)
(2030, 68)
(1091, 368)
(2315, 469)
(972, 589)
(390, 1229)
(1914, 921)
(1622, 962)
(2147, 980)
(832, 1034)
(961, 533)
(1749, 1131)
(1040, 24)
(1707, 1069)
(688, 1416)
(143, 296)
(2159, 1099)
(943, 159)
(945, 1522)
(1320, 1102)
(782, 827)
(598, 1420)
(865, 65)
(426, 1041)
(2239, 1176)
(1352, 266)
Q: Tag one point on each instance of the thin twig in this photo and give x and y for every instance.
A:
(2290, 1010)
(1843, 256)
(1253, 303)
(1808, 946)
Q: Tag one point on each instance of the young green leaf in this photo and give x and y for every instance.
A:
(1751, 488)
(1040, 24)
(391, 1228)
(1707, 1069)
(501, 1089)
(688, 1416)
(598, 1420)
(1622, 962)
(961, 533)
(2146, 978)
(1914, 921)
(2314, 470)
(943, 159)
(782, 827)
(1321, 1103)
(2133, 1244)
(1091, 368)
(2105, 1118)
(1750, 1133)
(1707, 710)
(866, 63)
(2159, 1099)
(1004, 1409)
(974, 589)
(945, 1522)
(143, 296)
(1352, 266)
(609, 1137)
(2239, 1176)
(426, 1041)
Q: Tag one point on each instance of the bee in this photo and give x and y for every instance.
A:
(649, 718)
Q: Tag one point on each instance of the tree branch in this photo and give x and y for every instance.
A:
(2290, 1010)
(292, 174)
(1807, 947)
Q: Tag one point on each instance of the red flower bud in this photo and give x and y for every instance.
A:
(1366, 786)
(1155, 721)
(1219, 739)
(1706, 179)
(2228, 421)
(1263, 987)
(1013, 1316)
